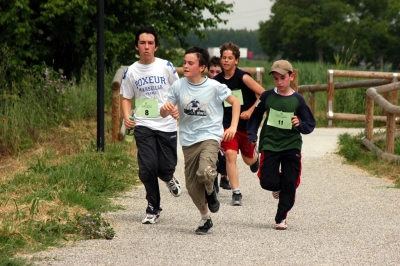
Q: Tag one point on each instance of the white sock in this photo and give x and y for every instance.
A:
(236, 191)
(206, 216)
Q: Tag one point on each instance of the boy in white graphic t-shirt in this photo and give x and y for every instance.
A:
(148, 81)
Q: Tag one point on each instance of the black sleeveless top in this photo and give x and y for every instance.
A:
(249, 97)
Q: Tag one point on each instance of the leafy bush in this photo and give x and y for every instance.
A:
(94, 226)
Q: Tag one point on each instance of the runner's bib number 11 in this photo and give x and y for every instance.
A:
(280, 119)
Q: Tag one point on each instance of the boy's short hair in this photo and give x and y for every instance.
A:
(202, 54)
(214, 61)
(282, 67)
(230, 46)
(148, 30)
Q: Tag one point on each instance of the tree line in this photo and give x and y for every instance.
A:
(62, 34)
(315, 30)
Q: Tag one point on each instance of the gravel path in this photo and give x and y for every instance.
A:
(342, 216)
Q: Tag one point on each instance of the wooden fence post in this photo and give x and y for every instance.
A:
(395, 93)
(390, 132)
(369, 121)
(259, 75)
(311, 101)
(295, 83)
(116, 104)
(330, 96)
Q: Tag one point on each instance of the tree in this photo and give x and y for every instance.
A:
(392, 51)
(377, 32)
(305, 30)
(310, 30)
(62, 33)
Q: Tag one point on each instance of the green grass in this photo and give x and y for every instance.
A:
(54, 184)
(48, 203)
(352, 150)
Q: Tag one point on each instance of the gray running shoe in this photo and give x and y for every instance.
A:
(236, 199)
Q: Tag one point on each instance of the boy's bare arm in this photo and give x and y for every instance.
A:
(245, 115)
(258, 90)
(229, 134)
(253, 85)
(127, 111)
(169, 109)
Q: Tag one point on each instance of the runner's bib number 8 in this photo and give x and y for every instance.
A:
(146, 108)
(280, 119)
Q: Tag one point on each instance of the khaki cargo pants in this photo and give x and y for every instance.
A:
(200, 170)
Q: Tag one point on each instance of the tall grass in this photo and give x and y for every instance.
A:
(41, 100)
(54, 184)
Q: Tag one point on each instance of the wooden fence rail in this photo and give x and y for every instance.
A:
(331, 74)
(312, 89)
(374, 96)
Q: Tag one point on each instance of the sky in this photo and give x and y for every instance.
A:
(246, 14)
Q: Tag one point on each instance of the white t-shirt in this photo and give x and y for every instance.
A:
(150, 81)
(200, 109)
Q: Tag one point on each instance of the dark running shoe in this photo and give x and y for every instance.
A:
(216, 184)
(224, 183)
(204, 226)
(255, 165)
(212, 200)
(237, 199)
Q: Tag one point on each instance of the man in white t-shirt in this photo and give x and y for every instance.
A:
(148, 81)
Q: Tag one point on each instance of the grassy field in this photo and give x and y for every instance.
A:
(54, 184)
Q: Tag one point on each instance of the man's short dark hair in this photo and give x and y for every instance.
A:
(148, 30)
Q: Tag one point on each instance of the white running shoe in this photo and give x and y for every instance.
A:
(174, 187)
(282, 225)
(150, 218)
